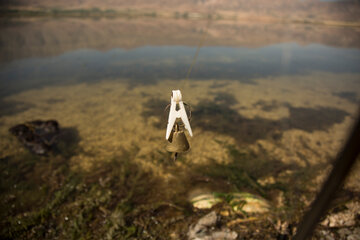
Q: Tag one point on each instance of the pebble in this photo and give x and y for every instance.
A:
(344, 218)
(349, 234)
(204, 229)
(266, 181)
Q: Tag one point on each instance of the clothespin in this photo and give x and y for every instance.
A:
(177, 110)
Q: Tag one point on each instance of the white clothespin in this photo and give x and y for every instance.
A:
(176, 99)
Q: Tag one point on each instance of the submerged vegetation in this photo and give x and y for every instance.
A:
(111, 177)
(119, 200)
(43, 198)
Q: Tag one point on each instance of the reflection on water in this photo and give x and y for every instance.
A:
(266, 120)
(147, 65)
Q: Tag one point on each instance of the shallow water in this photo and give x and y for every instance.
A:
(267, 119)
(150, 64)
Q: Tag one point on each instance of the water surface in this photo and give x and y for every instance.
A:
(268, 117)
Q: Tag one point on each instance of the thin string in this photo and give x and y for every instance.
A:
(201, 43)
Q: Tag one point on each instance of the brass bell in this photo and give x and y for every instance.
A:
(177, 141)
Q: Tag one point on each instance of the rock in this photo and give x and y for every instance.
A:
(344, 218)
(38, 136)
(201, 228)
(204, 223)
(355, 235)
(266, 181)
(225, 234)
(249, 203)
(344, 232)
(349, 233)
(245, 202)
(205, 229)
(326, 235)
(205, 201)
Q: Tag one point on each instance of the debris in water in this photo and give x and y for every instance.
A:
(38, 136)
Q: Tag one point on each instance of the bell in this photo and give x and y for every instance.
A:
(177, 142)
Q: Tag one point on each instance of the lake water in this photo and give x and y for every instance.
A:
(271, 106)
(150, 64)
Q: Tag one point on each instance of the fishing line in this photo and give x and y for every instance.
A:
(201, 43)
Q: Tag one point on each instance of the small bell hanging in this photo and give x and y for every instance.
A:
(177, 141)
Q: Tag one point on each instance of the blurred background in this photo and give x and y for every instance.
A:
(274, 87)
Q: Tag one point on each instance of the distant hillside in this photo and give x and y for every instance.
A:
(304, 9)
(259, 23)
(40, 37)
